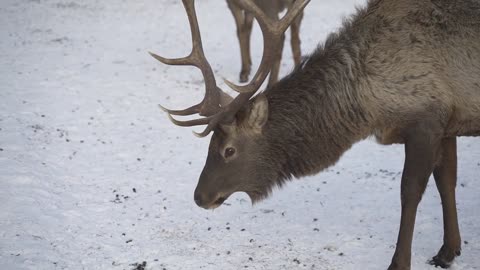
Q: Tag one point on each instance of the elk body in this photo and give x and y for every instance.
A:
(405, 71)
(244, 23)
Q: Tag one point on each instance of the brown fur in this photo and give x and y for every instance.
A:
(404, 71)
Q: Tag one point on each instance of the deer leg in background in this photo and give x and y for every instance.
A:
(243, 21)
(275, 69)
(295, 39)
(420, 150)
(245, 47)
(445, 174)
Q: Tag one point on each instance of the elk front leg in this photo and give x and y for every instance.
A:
(445, 174)
(295, 39)
(420, 151)
(276, 63)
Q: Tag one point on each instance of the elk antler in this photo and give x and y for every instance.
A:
(214, 103)
(210, 103)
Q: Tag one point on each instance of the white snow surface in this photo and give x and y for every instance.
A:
(94, 176)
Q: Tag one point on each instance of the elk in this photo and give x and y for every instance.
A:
(244, 21)
(404, 71)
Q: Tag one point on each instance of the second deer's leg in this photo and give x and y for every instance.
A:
(245, 47)
(445, 174)
(243, 35)
(295, 39)
(276, 63)
(420, 151)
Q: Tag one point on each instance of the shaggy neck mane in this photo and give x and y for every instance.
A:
(317, 112)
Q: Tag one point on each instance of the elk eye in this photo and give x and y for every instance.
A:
(230, 151)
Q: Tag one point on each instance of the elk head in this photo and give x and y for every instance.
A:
(236, 159)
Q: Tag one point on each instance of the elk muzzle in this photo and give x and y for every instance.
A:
(208, 200)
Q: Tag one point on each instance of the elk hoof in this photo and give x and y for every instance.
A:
(445, 257)
(439, 262)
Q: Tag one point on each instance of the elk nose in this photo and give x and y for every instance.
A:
(198, 199)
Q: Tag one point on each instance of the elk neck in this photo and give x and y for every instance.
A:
(319, 111)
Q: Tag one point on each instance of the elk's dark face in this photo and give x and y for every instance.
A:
(236, 159)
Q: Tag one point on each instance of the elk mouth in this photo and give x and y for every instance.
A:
(255, 197)
(220, 201)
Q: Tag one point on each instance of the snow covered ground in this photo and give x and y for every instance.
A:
(93, 176)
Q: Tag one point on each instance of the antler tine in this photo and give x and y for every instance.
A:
(212, 100)
(188, 111)
(225, 115)
(190, 123)
(178, 61)
(272, 32)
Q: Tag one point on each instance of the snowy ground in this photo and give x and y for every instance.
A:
(93, 176)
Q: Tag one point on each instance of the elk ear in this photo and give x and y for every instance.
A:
(258, 115)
